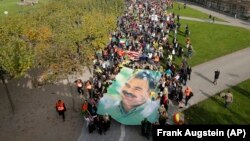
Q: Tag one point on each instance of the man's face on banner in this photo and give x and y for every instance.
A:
(134, 93)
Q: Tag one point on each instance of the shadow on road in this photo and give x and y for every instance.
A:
(233, 75)
(204, 77)
(212, 98)
(244, 23)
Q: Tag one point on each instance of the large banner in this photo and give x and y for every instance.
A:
(132, 97)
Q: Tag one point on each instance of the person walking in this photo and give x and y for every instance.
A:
(107, 122)
(61, 108)
(85, 107)
(228, 98)
(189, 70)
(216, 76)
(146, 128)
(79, 85)
(186, 31)
(90, 123)
(188, 93)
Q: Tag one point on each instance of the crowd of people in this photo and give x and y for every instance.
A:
(146, 38)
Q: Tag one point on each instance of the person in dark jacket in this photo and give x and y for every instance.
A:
(146, 128)
(216, 76)
(189, 70)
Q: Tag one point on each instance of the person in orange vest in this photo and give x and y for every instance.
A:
(188, 93)
(60, 108)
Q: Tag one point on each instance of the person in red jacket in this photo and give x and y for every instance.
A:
(85, 107)
(60, 108)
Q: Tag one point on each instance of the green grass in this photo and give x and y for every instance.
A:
(211, 41)
(212, 110)
(13, 8)
(189, 12)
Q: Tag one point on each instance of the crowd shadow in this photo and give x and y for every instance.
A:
(219, 100)
(197, 116)
(201, 116)
(212, 98)
(239, 90)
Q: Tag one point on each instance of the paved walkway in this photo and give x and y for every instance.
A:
(209, 21)
(231, 20)
(233, 68)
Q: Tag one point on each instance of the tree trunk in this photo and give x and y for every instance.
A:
(90, 71)
(73, 96)
(8, 93)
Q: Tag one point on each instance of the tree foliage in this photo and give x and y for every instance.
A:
(16, 55)
(60, 36)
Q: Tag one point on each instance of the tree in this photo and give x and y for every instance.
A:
(78, 28)
(16, 55)
(61, 36)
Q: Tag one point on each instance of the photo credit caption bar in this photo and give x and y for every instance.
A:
(201, 132)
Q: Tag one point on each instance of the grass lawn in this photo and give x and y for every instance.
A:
(189, 12)
(212, 110)
(13, 8)
(211, 41)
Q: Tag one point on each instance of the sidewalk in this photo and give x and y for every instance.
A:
(209, 21)
(233, 70)
(233, 21)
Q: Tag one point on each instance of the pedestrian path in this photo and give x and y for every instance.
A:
(231, 20)
(209, 21)
(233, 67)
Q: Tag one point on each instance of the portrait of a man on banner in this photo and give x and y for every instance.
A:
(132, 97)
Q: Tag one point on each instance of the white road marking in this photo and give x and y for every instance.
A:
(122, 133)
